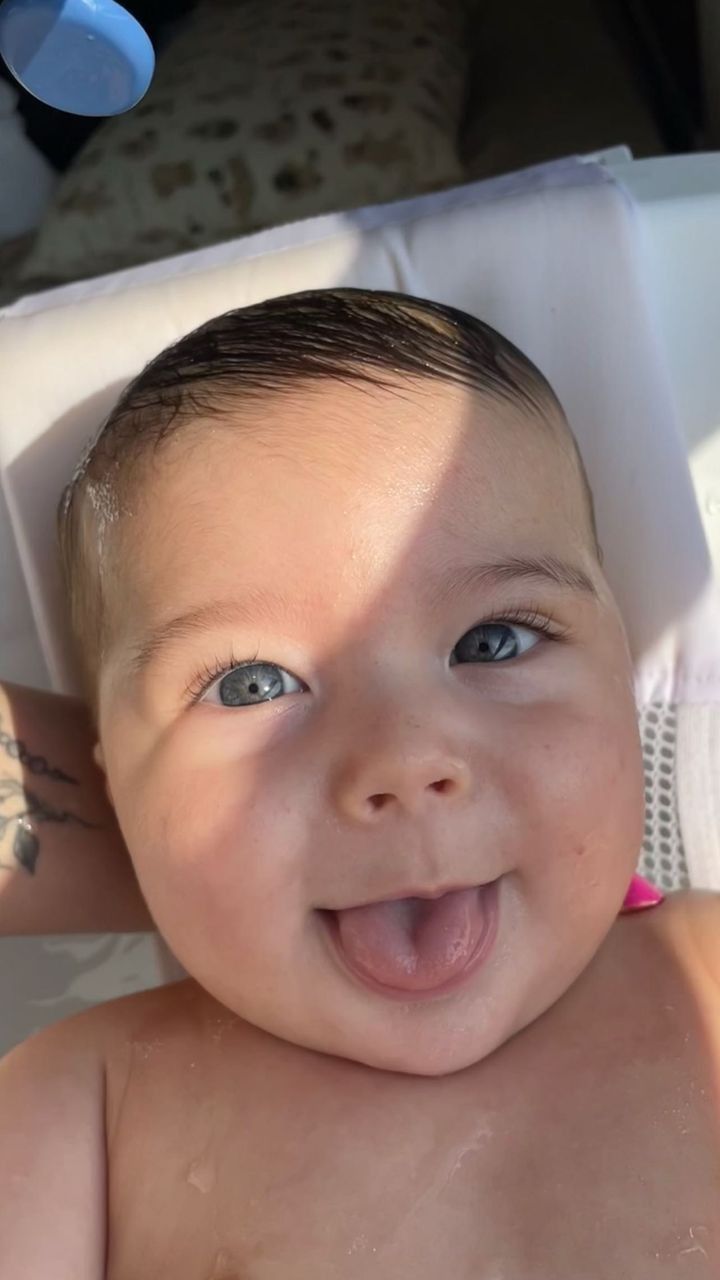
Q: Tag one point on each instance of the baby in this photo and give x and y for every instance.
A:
(420, 1036)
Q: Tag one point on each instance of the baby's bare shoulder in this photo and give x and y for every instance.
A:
(178, 1008)
(52, 1103)
(96, 1035)
(690, 920)
(53, 1120)
(703, 916)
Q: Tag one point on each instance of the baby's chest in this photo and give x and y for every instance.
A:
(522, 1170)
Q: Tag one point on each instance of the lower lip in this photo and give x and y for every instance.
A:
(491, 906)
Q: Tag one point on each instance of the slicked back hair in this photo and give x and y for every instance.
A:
(350, 335)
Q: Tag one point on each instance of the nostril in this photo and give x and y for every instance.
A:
(381, 798)
(444, 784)
(379, 801)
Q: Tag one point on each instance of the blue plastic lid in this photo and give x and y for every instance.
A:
(88, 57)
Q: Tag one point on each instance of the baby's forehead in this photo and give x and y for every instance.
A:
(351, 415)
(345, 445)
(332, 460)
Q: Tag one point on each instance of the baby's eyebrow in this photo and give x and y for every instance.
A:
(546, 568)
(252, 605)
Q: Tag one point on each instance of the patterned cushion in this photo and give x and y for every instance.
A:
(262, 112)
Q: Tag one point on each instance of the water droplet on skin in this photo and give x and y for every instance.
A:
(223, 1267)
(223, 1025)
(201, 1175)
(145, 1047)
(475, 1144)
(696, 1246)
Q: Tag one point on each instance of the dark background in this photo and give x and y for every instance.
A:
(58, 135)
(660, 38)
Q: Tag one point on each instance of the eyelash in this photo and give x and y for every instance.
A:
(544, 624)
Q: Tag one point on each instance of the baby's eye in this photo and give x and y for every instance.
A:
(493, 642)
(250, 683)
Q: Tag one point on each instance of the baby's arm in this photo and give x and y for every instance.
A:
(53, 1176)
(64, 867)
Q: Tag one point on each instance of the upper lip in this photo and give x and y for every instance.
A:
(412, 891)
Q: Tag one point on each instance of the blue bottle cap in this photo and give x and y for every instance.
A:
(88, 57)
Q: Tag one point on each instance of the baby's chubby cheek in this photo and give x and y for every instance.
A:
(589, 797)
(215, 844)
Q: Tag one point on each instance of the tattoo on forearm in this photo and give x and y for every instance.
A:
(16, 749)
(21, 810)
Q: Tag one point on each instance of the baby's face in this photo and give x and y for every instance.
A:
(399, 733)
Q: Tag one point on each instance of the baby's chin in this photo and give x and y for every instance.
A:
(425, 1042)
(440, 1046)
(449, 1054)
(324, 999)
(401, 1039)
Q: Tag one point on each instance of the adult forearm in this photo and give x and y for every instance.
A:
(64, 867)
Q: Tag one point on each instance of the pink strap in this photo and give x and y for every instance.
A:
(641, 894)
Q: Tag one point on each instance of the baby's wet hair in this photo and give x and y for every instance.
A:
(350, 335)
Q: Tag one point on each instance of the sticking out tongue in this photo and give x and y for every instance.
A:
(413, 943)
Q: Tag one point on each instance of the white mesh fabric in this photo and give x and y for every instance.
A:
(698, 790)
(662, 860)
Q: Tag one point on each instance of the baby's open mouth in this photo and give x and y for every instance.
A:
(417, 944)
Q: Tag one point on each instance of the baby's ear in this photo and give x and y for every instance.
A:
(99, 758)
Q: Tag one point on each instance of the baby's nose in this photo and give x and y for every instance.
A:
(411, 784)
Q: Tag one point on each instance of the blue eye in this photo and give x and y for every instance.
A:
(251, 683)
(247, 683)
(491, 642)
